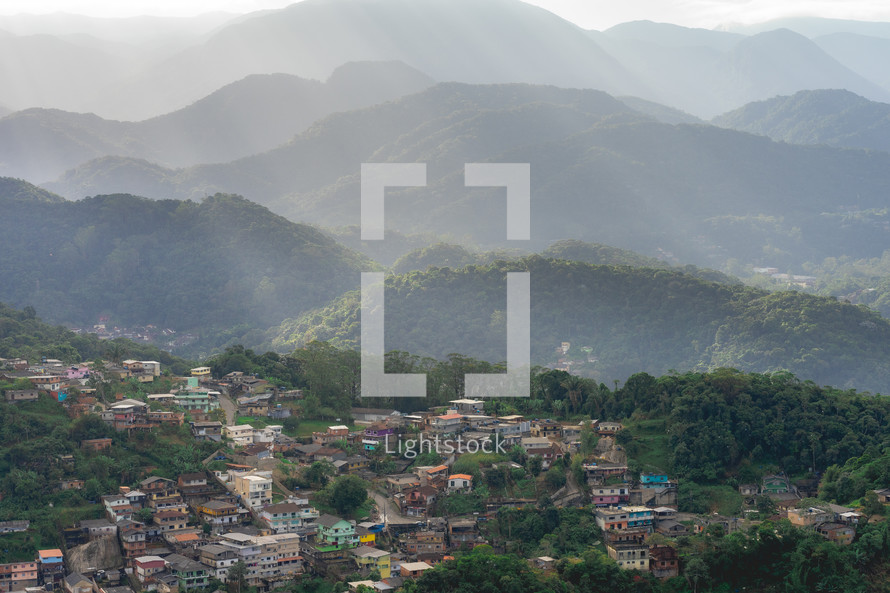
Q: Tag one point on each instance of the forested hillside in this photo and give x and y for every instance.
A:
(626, 319)
(223, 262)
(24, 335)
(834, 117)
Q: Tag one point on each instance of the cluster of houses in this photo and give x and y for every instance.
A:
(175, 535)
(56, 378)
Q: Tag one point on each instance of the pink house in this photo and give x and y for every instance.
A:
(77, 373)
(611, 495)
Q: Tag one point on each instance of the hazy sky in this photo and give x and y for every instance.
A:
(591, 14)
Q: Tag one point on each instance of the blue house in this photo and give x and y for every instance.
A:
(654, 480)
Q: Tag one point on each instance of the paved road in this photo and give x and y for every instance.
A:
(229, 407)
(392, 511)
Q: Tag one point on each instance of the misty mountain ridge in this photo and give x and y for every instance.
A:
(499, 41)
(246, 117)
(706, 78)
(601, 172)
(833, 117)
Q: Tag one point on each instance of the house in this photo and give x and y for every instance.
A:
(463, 532)
(289, 517)
(371, 415)
(654, 480)
(16, 576)
(257, 452)
(774, 485)
(189, 574)
(446, 423)
(207, 431)
(241, 435)
(599, 472)
(671, 528)
(197, 400)
(748, 490)
(132, 535)
(329, 454)
(607, 429)
(335, 531)
(220, 514)
(528, 443)
(97, 528)
(883, 495)
(369, 559)
(457, 482)
(160, 492)
(191, 481)
(468, 406)
(77, 583)
(626, 518)
(353, 463)
(809, 517)
(837, 532)
(378, 432)
(664, 562)
(428, 545)
(218, 558)
(413, 570)
(612, 495)
(546, 429)
(202, 373)
(544, 563)
(401, 482)
(170, 520)
(630, 551)
(17, 396)
(332, 435)
(148, 566)
(417, 502)
(13, 526)
(254, 488)
(51, 566)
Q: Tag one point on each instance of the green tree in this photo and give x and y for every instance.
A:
(871, 505)
(236, 579)
(348, 493)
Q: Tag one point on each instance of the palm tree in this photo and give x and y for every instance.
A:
(575, 388)
(116, 350)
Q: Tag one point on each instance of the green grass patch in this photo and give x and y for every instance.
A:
(253, 421)
(649, 447)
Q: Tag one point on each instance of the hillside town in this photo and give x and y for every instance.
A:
(185, 532)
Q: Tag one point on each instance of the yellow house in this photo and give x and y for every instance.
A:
(372, 558)
(365, 537)
(201, 372)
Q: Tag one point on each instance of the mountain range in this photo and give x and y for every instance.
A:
(133, 75)
(601, 172)
(246, 117)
